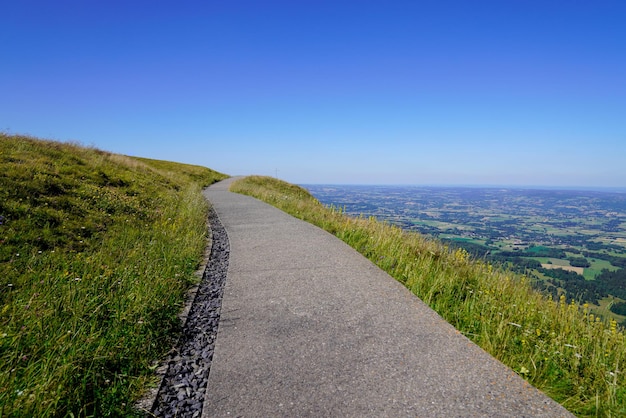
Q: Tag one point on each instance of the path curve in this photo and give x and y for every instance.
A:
(309, 327)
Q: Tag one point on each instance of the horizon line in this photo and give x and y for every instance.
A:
(614, 189)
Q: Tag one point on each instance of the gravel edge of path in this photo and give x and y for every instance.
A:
(186, 370)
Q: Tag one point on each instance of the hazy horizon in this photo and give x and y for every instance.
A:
(477, 186)
(344, 92)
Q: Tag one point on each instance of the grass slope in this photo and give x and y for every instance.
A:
(560, 348)
(96, 252)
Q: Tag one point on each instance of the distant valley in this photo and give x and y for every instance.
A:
(571, 242)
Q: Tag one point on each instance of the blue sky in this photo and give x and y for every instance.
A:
(510, 92)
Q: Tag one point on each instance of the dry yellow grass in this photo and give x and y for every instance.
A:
(578, 270)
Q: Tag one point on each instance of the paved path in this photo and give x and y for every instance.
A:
(310, 328)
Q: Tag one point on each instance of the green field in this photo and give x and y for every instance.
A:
(596, 267)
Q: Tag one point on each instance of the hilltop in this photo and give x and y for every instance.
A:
(97, 251)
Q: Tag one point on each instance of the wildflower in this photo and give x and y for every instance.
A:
(461, 255)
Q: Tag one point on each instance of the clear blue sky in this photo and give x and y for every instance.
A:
(515, 92)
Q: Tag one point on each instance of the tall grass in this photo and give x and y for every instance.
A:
(96, 253)
(561, 348)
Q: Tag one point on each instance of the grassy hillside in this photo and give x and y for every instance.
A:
(560, 348)
(96, 252)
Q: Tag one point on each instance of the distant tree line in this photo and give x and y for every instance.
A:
(607, 283)
(614, 260)
(612, 283)
(579, 262)
(618, 308)
(535, 252)
(613, 225)
(575, 285)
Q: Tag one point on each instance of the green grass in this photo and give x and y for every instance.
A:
(603, 309)
(596, 268)
(96, 253)
(563, 349)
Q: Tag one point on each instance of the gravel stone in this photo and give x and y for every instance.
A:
(184, 384)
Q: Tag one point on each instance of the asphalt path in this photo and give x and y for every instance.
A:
(309, 327)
